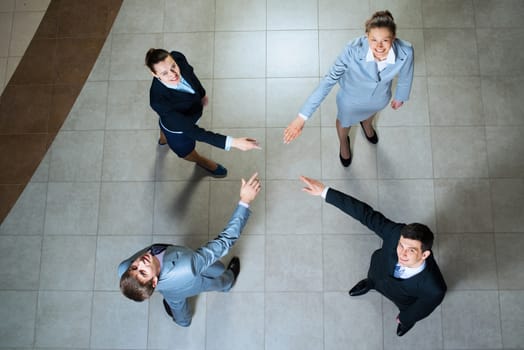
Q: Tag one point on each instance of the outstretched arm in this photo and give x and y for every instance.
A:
(213, 250)
(355, 208)
(294, 129)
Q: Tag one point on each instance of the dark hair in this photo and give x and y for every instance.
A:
(133, 289)
(419, 232)
(153, 56)
(382, 19)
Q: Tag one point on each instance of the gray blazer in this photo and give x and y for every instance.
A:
(183, 272)
(361, 80)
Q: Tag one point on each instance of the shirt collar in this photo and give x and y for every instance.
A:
(174, 87)
(412, 271)
(160, 257)
(390, 59)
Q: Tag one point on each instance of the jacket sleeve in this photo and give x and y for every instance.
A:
(405, 77)
(362, 212)
(338, 69)
(208, 254)
(186, 125)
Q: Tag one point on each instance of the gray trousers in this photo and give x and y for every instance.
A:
(215, 278)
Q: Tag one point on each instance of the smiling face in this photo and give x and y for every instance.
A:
(167, 71)
(409, 252)
(145, 268)
(380, 40)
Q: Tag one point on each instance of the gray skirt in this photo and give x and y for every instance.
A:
(351, 111)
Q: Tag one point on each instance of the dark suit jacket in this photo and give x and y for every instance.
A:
(179, 110)
(417, 296)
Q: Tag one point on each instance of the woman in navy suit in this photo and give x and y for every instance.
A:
(179, 98)
(365, 70)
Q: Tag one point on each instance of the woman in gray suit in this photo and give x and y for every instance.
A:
(365, 70)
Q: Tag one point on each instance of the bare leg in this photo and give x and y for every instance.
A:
(343, 138)
(162, 139)
(200, 160)
(368, 126)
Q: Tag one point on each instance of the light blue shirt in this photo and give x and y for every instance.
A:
(183, 85)
(407, 272)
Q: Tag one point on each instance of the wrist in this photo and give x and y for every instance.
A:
(324, 192)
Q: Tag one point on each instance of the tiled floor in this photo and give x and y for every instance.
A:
(451, 158)
(18, 23)
(47, 80)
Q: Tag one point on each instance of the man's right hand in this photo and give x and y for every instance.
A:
(250, 188)
(313, 187)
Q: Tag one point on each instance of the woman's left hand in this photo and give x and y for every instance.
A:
(245, 143)
(396, 104)
(205, 101)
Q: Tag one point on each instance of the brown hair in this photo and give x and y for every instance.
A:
(382, 19)
(153, 56)
(133, 289)
(419, 232)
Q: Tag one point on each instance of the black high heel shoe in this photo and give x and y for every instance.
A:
(373, 139)
(346, 162)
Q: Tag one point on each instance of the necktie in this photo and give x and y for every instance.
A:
(157, 248)
(399, 270)
(184, 86)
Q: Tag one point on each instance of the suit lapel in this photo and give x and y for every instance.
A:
(190, 77)
(369, 67)
(400, 56)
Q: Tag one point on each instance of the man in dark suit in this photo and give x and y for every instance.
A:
(179, 98)
(179, 273)
(403, 270)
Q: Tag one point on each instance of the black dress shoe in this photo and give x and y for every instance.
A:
(345, 162)
(234, 266)
(167, 308)
(360, 288)
(401, 329)
(373, 139)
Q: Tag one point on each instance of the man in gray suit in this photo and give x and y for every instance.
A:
(179, 272)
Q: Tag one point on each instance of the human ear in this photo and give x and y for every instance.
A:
(154, 282)
(425, 254)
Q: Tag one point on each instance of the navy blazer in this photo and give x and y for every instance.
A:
(417, 296)
(179, 111)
